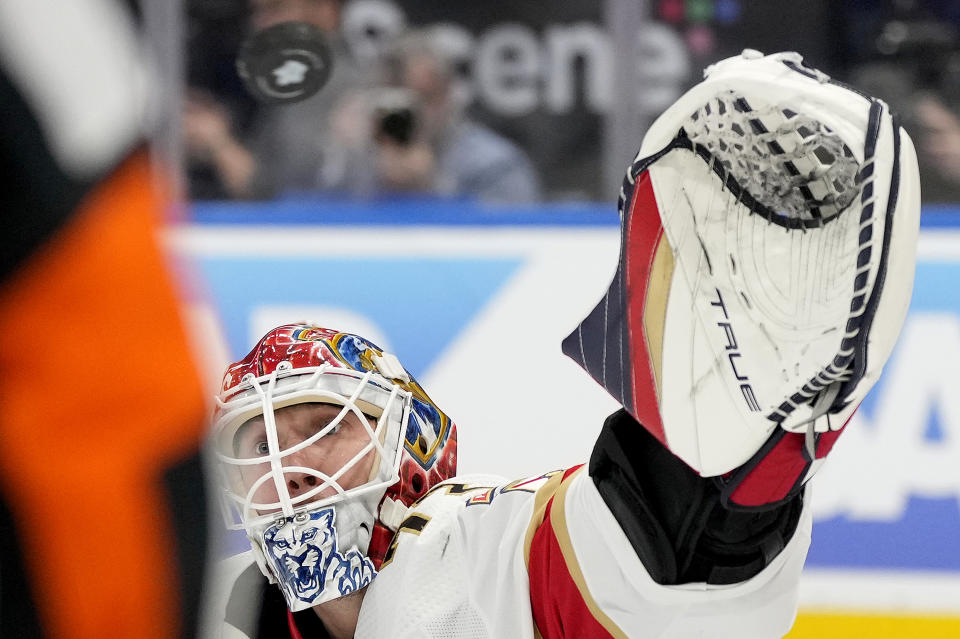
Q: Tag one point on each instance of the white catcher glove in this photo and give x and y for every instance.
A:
(769, 227)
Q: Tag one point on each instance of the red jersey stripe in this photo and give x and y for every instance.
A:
(561, 603)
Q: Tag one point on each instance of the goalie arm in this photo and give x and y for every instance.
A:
(674, 518)
(636, 544)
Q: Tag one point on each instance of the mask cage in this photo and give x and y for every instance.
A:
(356, 392)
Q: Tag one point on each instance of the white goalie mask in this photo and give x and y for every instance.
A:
(323, 442)
(307, 454)
(769, 226)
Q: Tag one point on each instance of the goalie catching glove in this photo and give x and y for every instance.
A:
(769, 227)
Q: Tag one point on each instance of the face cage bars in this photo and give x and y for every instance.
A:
(240, 512)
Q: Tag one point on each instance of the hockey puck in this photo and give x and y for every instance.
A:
(285, 63)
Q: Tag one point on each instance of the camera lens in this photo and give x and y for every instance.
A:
(398, 125)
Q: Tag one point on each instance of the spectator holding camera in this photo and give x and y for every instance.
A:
(424, 142)
(290, 147)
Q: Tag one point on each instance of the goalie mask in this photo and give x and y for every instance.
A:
(324, 441)
(768, 237)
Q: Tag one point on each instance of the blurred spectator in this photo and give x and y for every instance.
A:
(289, 147)
(908, 53)
(937, 133)
(931, 122)
(423, 142)
(910, 56)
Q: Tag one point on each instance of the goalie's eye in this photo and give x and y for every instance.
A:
(322, 423)
(262, 448)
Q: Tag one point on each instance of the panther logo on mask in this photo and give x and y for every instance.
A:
(303, 554)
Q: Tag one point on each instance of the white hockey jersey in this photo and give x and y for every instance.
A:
(543, 557)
